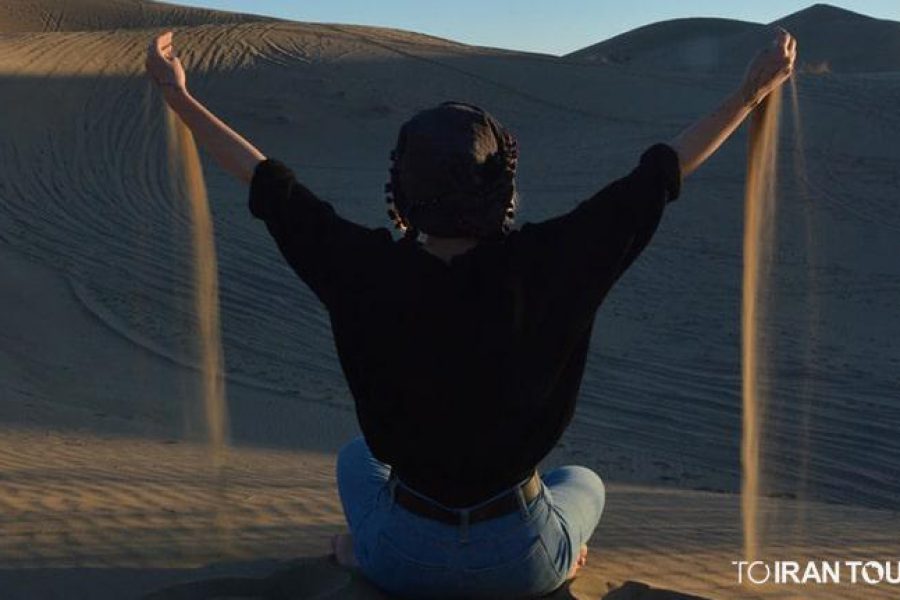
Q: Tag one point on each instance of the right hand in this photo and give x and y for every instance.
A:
(770, 68)
(163, 66)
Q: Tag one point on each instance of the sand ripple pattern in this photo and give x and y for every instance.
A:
(83, 189)
(78, 501)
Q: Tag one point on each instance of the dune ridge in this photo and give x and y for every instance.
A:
(835, 39)
(25, 16)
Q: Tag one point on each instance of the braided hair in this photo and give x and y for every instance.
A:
(462, 191)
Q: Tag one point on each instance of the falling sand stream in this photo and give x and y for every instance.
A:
(189, 185)
(759, 243)
(759, 211)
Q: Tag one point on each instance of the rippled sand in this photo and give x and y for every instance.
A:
(103, 480)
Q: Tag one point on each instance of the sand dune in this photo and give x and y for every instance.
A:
(87, 15)
(834, 39)
(846, 41)
(100, 418)
(682, 43)
(122, 517)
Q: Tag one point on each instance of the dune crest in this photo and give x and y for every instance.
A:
(847, 41)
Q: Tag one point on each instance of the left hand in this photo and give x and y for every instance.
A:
(163, 66)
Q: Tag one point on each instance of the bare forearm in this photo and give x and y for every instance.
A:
(231, 151)
(699, 141)
(768, 70)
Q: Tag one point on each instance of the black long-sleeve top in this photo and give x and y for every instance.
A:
(465, 374)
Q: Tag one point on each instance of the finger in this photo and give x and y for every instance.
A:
(155, 48)
(163, 41)
(782, 39)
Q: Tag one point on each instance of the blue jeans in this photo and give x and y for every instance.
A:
(522, 554)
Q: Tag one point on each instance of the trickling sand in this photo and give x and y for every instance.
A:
(759, 210)
(187, 179)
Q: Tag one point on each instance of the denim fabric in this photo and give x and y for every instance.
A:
(522, 554)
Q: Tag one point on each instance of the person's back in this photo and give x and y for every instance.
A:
(464, 371)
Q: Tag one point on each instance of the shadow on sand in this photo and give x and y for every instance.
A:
(321, 578)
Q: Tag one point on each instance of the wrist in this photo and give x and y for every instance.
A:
(747, 97)
(174, 93)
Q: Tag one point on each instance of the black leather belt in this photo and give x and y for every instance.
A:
(502, 505)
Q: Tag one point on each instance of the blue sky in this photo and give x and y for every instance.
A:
(550, 26)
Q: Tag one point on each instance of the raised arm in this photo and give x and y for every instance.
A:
(233, 153)
(771, 68)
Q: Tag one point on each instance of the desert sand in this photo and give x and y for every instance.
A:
(106, 480)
